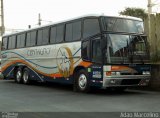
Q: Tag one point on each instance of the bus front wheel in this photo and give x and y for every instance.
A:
(81, 81)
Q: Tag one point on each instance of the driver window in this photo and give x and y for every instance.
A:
(85, 50)
(96, 51)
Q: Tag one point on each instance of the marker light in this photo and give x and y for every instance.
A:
(146, 73)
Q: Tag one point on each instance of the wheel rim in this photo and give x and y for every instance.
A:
(25, 77)
(18, 76)
(82, 81)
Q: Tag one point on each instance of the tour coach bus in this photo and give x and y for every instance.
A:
(90, 51)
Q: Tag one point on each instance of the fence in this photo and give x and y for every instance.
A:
(154, 43)
(155, 37)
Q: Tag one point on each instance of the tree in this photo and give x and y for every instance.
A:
(136, 12)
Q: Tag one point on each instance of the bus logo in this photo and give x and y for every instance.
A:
(65, 61)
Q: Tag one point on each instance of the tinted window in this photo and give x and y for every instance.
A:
(31, 38)
(124, 25)
(53, 35)
(43, 36)
(18, 40)
(85, 50)
(97, 53)
(4, 43)
(12, 42)
(91, 27)
(60, 33)
(73, 31)
(21, 40)
(28, 39)
(76, 30)
(110, 23)
(69, 32)
(40, 37)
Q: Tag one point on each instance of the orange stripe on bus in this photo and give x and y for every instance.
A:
(121, 68)
(85, 64)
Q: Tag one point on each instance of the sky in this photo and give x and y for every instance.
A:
(18, 14)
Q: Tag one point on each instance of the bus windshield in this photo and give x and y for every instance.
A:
(124, 25)
(126, 49)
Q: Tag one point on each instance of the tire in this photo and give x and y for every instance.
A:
(81, 83)
(18, 75)
(26, 76)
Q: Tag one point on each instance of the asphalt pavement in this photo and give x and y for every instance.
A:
(42, 97)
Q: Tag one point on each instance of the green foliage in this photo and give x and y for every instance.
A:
(136, 12)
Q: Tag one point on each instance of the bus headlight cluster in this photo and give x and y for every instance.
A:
(111, 73)
(146, 73)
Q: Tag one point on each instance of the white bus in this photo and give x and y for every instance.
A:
(91, 51)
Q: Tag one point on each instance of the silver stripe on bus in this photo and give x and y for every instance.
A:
(10, 72)
(37, 74)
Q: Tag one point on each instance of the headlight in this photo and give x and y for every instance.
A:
(146, 73)
(111, 73)
(115, 73)
(118, 73)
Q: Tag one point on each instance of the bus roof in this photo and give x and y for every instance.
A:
(76, 18)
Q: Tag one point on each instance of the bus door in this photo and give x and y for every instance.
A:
(96, 58)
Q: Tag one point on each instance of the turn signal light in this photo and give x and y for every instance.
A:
(111, 73)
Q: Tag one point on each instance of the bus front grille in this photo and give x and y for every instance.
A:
(131, 73)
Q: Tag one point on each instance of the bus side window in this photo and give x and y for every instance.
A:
(69, 32)
(53, 35)
(77, 31)
(43, 36)
(91, 27)
(86, 50)
(73, 31)
(60, 33)
(18, 40)
(12, 42)
(31, 38)
(21, 40)
(97, 53)
(39, 37)
(28, 43)
(4, 43)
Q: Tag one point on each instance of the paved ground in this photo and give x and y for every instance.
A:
(55, 98)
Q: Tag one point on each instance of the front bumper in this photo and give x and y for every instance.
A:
(124, 80)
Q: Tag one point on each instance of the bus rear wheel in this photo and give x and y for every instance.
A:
(81, 81)
(25, 76)
(18, 75)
